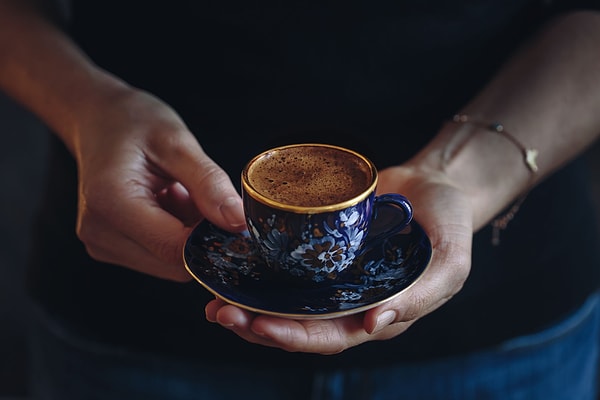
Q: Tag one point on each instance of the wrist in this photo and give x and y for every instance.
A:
(79, 99)
(487, 166)
(529, 161)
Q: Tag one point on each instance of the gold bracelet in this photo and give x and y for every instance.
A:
(529, 158)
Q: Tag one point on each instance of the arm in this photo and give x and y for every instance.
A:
(143, 177)
(548, 96)
(42, 69)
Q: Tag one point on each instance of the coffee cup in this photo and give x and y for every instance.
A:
(311, 209)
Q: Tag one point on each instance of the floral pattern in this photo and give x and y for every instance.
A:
(327, 244)
(231, 267)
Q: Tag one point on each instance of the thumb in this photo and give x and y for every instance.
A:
(208, 185)
(215, 196)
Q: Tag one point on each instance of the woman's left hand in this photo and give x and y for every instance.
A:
(444, 212)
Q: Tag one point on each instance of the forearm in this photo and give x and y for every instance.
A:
(547, 96)
(41, 68)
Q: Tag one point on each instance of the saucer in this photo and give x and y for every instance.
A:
(230, 267)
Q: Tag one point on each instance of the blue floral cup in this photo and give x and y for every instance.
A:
(311, 210)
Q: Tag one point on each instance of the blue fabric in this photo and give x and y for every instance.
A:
(559, 363)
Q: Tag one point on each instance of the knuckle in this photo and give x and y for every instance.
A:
(180, 275)
(86, 232)
(418, 305)
(327, 338)
(166, 251)
(96, 254)
(212, 176)
(172, 145)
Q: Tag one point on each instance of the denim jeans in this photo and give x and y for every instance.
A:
(559, 363)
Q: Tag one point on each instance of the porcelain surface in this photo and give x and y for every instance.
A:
(230, 267)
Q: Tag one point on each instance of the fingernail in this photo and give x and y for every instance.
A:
(384, 319)
(232, 210)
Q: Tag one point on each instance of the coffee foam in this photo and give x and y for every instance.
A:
(310, 176)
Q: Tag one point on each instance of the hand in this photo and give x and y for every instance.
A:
(144, 181)
(444, 211)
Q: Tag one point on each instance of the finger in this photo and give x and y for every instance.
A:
(212, 308)
(153, 239)
(176, 200)
(322, 336)
(113, 247)
(311, 336)
(286, 334)
(239, 321)
(443, 278)
(209, 186)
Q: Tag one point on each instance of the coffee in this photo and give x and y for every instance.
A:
(310, 176)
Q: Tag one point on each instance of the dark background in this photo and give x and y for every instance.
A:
(22, 158)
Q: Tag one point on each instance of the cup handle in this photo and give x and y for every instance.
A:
(392, 213)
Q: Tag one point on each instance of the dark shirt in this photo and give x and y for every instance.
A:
(379, 78)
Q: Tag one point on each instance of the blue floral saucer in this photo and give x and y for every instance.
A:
(231, 268)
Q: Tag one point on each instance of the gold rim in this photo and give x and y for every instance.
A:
(250, 191)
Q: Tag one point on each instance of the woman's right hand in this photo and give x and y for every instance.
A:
(143, 178)
(144, 181)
